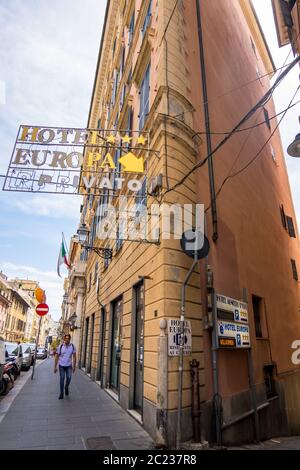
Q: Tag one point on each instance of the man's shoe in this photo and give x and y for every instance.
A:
(61, 396)
(67, 391)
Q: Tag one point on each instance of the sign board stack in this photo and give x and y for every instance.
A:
(232, 323)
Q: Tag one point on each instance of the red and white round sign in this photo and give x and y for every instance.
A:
(42, 309)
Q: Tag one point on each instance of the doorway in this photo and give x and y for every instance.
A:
(99, 376)
(89, 366)
(85, 343)
(117, 308)
(138, 347)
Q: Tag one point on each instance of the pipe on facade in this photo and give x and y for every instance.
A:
(213, 202)
(180, 368)
(245, 415)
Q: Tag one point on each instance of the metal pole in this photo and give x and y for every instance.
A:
(214, 358)
(36, 346)
(213, 202)
(253, 395)
(181, 344)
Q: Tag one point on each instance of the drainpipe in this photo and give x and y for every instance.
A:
(181, 345)
(213, 203)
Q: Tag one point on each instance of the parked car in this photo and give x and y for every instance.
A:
(27, 357)
(41, 353)
(33, 348)
(15, 355)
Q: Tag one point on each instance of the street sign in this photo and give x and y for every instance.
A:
(189, 242)
(174, 337)
(237, 308)
(42, 309)
(235, 334)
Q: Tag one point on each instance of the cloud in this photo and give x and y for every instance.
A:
(54, 206)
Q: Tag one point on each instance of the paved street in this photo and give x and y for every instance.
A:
(36, 419)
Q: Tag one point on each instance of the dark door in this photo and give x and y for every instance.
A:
(139, 348)
(116, 345)
(85, 343)
(101, 347)
(91, 344)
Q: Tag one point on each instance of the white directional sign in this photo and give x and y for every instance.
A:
(238, 308)
(174, 337)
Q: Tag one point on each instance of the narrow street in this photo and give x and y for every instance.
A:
(36, 419)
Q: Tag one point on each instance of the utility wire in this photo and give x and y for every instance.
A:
(257, 154)
(283, 112)
(249, 114)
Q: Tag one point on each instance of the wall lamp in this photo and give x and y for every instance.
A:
(83, 233)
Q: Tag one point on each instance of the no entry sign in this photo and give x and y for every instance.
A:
(42, 309)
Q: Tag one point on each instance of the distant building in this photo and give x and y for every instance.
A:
(5, 302)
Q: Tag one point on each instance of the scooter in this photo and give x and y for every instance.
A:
(7, 380)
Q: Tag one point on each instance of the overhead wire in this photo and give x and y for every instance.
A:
(245, 118)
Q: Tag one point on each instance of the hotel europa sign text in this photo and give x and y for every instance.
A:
(72, 161)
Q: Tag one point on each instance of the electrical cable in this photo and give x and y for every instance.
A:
(249, 114)
(251, 127)
(255, 156)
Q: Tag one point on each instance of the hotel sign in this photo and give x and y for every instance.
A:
(174, 337)
(72, 161)
(232, 329)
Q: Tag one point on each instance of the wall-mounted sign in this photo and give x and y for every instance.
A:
(174, 337)
(236, 307)
(233, 335)
(72, 161)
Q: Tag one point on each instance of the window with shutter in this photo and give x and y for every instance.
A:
(283, 216)
(290, 227)
(267, 119)
(144, 98)
(294, 269)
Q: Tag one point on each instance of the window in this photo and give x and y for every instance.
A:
(96, 272)
(283, 217)
(131, 29)
(286, 13)
(294, 269)
(122, 62)
(267, 119)
(122, 97)
(115, 87)
(269, 380)
(141, 195)
(290, 227)
(147, 19)
(257, 304)
(144, 98)
(273, 154)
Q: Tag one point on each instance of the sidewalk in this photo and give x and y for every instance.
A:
(87, 418)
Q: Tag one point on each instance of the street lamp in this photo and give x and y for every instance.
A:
(83, 233)
(294, 148)
(72, 322)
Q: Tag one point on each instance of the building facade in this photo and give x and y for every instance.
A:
(4, 301)
(287, 22)
(183, 74)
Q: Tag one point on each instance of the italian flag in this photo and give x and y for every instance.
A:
(62, 256)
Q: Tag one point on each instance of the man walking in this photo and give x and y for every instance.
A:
(63, 357)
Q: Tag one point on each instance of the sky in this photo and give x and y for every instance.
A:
(48, 55)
